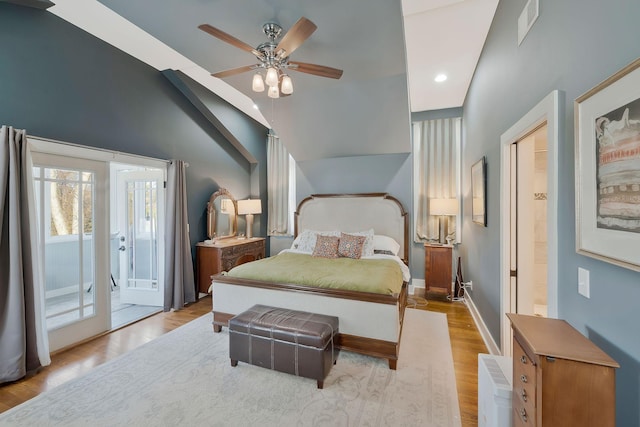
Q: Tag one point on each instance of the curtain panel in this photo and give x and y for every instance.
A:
(24, 344)
(179, 279)
(277, 187)
(436, 145)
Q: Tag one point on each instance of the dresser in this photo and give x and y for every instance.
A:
(560, 378)
(223, 256)
(438, 271)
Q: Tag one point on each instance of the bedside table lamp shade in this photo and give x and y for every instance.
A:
(249, 208)
(442, 208)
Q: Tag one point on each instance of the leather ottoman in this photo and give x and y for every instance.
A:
(295, 342)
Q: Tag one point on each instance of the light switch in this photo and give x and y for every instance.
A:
(583, 282)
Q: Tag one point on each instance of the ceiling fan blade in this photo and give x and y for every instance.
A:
(317, 70)
(233, 71)
(229, 39)
(296, 35)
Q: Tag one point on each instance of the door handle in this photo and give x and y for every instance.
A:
(122, 248)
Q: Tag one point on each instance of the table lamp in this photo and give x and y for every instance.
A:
(249, 208)
(443, 208)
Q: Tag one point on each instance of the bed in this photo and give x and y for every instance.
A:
(370, 322)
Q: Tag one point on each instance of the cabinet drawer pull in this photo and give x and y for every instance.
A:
(523, 415)
(523, 378)
(524, 395)
(523, 359)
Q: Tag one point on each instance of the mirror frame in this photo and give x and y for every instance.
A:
(211, 215)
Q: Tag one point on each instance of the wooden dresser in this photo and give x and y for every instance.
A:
(224, 255)
(438, 271)
(560, 378)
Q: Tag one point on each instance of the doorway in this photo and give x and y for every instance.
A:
(137, 242)
(98, 211)
(529, 224)
(528, 216)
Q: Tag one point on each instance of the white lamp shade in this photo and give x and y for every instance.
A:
(443, 206)
(273, 92)
(272, 77)
(257, 84)
(251, 206)
(287, 85)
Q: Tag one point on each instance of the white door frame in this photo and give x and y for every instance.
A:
(548, 111)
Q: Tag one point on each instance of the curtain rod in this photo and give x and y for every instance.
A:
(104, 150)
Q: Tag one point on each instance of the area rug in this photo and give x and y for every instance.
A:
(184, 378)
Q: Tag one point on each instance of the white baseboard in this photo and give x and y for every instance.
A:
(416, 283)
(482, 327)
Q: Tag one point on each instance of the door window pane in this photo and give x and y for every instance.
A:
(66, 217)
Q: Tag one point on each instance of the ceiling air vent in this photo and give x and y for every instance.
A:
(527, 18)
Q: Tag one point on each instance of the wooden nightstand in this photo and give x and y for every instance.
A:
(223, 256)
(438, 271)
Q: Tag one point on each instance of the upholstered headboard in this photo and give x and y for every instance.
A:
(355, 212)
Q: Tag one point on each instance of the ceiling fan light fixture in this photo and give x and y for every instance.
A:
(272, 77)
(287, 85)
(273, 92)
(257, 84)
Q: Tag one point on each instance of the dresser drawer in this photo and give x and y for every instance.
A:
(524, 385)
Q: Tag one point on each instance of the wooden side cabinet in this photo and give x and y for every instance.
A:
(438, 268)
(223, 256)
(560, 378)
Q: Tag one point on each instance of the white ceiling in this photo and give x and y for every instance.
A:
(371, 40)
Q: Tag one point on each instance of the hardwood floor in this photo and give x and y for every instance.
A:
(466, 343)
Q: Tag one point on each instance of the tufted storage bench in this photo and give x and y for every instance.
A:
(295, 342)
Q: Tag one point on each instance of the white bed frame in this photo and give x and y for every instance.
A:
(369, 323)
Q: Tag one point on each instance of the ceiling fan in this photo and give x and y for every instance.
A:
(273, 56)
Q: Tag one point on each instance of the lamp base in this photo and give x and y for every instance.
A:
(444, 225)
(249, 230)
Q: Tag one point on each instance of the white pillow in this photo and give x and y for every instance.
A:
(385, 243)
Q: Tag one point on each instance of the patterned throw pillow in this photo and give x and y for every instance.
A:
(326, 246)
(351, 246)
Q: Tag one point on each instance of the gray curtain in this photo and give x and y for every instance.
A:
(277, 186)
(24, 344)
(179, 288)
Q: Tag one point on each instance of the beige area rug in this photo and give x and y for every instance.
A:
(184, 378)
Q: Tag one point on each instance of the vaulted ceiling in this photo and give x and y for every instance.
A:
(365, 38)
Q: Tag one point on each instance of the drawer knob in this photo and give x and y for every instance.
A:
(523, 415)
(523, 378)
(523, 359)
(524, 395)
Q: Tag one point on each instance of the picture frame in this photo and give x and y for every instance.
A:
(607, 169)
(478, 192)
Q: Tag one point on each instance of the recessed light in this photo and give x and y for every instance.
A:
(255, 106)
(440, 78)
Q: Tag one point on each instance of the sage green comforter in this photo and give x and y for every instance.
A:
(381, 276)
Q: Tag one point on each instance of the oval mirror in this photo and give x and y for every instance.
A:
(222, 217)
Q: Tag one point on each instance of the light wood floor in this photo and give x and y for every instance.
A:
(466, 343)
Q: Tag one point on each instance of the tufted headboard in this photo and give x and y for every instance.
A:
(355, 212)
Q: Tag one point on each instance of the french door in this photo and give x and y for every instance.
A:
(140, 218)
(72, 198)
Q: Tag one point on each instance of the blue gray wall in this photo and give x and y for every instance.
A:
(573, 46)
(59, 82)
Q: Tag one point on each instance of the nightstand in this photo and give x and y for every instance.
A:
(438, 271)
(223, 255)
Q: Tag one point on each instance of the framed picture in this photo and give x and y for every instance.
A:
(478, 191)
(607, 152)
